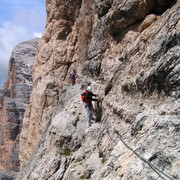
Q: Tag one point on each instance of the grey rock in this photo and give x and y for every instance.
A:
(8, 175)
(135, 132)
(121, 16)
(14, 97)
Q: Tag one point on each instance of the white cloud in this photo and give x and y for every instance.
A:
(10, 36)
(37, 34)
(19, 21)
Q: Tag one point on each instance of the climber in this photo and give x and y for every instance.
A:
(87, 99)
(73, 76)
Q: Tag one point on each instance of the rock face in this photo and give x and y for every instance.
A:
(14, 97)
(129, 52)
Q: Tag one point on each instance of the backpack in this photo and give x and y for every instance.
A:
(83, 96)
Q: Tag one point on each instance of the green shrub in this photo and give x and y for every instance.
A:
(103, 160)
(82, 177)
(66, 152)
(78, 160)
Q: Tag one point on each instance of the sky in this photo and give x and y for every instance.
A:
(20, 20)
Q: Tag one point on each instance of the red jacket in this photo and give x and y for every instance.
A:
(89, 97)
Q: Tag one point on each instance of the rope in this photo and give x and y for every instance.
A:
(155, 169)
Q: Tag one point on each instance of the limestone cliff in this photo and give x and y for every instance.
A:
(128, 51)
(14, 97)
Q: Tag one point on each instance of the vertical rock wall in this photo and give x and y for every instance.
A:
(14, 97)
(129, 52)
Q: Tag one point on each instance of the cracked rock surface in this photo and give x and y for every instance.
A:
(129, 52)
(14, 98)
